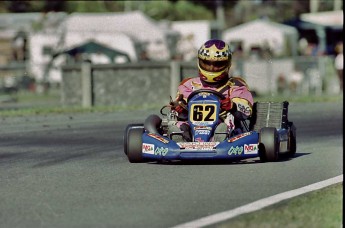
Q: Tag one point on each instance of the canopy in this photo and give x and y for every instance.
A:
(333, 19)
(280, 38)
(93, 47)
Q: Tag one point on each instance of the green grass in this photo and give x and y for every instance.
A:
(27, 103)
(318, 209)
(301, 98)
(40, 104)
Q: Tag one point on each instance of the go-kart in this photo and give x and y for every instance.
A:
(267, 134)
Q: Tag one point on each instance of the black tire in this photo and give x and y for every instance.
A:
(134, 144)
(125, 136)
(292, 141)
(268, 144)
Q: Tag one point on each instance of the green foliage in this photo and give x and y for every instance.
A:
(158, 10)
(86, 6)
(236, 11)
(187, 11)
(3, 7)
(165, 10)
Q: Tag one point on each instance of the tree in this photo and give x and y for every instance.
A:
(85, 6)
(178, 11)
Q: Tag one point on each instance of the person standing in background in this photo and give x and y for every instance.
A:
(339, 64)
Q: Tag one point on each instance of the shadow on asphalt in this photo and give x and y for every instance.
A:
(225, 162)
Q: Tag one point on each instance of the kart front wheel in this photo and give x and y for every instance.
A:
(268, 144)
(134, 144)
(125, 137)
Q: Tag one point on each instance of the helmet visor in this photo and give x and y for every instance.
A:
(213, 66)
(218, 43)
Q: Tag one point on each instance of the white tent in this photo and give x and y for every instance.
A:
(115, 40)
(282, 39)
(193, 35)
(133, 24)
(328, 18)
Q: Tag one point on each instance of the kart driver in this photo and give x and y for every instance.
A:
(214, 62)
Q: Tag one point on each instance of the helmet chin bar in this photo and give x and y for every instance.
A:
(223, 79)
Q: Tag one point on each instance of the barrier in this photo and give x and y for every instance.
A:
(152, 83)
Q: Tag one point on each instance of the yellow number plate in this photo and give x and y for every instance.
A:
(203, 112)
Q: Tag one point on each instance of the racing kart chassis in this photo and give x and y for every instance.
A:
(268, 134)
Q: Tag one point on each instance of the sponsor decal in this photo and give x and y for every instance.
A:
(201, 123)
(202, 132)
(237, 137)
(159, 138)
(198, 145)
(235, 150)
(196, 86)
(244, 109)
(250, 149)
(161, 151)
(148, 148)
(204, 94)
(202, 128)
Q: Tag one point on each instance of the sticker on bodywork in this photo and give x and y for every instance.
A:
(250, 149)
(148, 148)
(198, 145)
(159, 138)
(235, 150)
(161, 151)
(237, 137)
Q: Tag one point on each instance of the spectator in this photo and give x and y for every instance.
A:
(296, 79)
(339, 64)
(18, 47)
(281, 83)
(144, 56)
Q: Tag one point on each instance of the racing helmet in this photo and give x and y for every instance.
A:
(214, 61)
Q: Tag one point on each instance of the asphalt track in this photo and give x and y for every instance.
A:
(70, 171)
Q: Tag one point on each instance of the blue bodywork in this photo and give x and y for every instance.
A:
(166, 149)
(204, 109)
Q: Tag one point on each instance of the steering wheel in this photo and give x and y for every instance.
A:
(218, 94)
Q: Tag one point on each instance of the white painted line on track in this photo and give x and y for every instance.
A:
(259, 204)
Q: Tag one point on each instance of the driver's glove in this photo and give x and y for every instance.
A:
(179, 105)
(226, 104)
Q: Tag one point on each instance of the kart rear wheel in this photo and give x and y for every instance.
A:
(134, 144)
(268, 144)
(292, 144)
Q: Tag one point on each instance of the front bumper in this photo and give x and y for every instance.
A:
(243, 146)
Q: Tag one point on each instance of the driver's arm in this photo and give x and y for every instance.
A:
(242, 102)
(242, 108)
(183, 91)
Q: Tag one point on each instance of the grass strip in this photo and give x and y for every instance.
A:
(321, 208)
(32, 104)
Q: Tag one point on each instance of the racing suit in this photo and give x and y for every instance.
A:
(235, 88)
